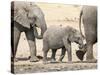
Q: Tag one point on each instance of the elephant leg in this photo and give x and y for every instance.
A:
(89, 54)
(15, 35)
(45, 51)
(62, 54)
(67, 45)
(32, 44)
(53, 55)
(69, 54)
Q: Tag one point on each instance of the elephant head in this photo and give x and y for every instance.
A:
(76, 37)
(29, 15)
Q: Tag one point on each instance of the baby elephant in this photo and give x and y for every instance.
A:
(60, 37)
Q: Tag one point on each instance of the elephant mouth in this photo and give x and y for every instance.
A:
(36, 26)
(80, 46)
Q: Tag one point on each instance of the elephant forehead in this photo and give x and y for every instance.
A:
(37, 12)
(20, 5)
(28, 7)
(23, 4)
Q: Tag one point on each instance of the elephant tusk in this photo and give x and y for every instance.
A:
(37, 35)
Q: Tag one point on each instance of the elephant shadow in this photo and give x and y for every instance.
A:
(27, 58)
(49, 58)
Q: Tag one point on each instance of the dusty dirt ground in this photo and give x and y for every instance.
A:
(55, 14)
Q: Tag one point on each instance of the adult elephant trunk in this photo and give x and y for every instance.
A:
(42, 25)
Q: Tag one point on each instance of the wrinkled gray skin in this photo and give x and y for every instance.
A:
(60, 37)
(89, 18)
(25, 17)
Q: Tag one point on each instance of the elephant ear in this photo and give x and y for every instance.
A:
(72, 34)
(20, 12)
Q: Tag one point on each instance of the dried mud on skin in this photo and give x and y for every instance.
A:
(53, 67)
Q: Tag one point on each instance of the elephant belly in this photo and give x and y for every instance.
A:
(54, 37)
(55, 43)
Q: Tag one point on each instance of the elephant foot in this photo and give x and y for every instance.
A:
(45, 62)
(91, 60)
(34, 59)
(60, 61)
(53, 61)
(69, 62)
(80, 54)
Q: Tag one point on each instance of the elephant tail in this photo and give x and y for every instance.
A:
(80, 17)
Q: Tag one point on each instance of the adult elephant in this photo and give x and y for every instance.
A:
(25, 17)
(89, 17)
